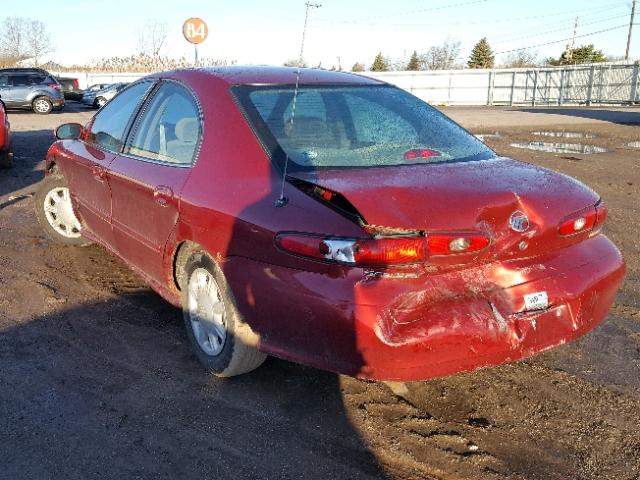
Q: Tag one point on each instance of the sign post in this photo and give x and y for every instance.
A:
(195, 31)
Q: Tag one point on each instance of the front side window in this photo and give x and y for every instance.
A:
(354, 126)
(169, 129)
(110, 124)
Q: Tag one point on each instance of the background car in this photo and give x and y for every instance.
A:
(30, 88)
(70, 88)
(97, 98)
(338, 222)
(6, 156)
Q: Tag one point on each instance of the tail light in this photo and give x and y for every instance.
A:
(583, 221)
(382, 251)
(54, 85)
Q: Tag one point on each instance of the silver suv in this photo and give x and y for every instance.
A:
(30, 88)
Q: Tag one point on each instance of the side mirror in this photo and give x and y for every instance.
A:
(69, 131)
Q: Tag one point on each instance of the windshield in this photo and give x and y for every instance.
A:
(354, 126)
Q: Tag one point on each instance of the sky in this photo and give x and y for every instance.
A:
(347, 31)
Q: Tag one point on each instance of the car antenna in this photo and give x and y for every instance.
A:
(282, 200)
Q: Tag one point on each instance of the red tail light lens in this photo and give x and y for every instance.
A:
(583, 221)
(456, 243)
(54, 85)
(390, 251)
(357, 252)
(384, 251)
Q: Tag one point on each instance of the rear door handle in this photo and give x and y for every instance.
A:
(99, 173)
(162, 195)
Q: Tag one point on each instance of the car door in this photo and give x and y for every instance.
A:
(147, 179)
(91, 156)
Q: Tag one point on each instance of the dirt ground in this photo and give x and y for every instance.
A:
(97, 381)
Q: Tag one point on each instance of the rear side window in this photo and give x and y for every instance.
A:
(110, 123)
(354, 126)
(169, 128)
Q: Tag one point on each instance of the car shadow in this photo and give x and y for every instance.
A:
(29, 149)
(111, 387)
(613, 116)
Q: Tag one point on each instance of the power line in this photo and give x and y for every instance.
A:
(510, 39)
(365, 21)
(409, 12)
(562, 40)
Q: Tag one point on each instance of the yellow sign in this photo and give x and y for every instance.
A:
(195, 30)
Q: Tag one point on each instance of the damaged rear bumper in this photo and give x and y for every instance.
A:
(430, 325)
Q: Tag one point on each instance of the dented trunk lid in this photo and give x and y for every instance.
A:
(463, 196)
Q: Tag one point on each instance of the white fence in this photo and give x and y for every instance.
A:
(585, 84)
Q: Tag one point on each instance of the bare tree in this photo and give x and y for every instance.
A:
(38, 41)
(521, 59)
(152, 38)
(295, 62)
(13, 44)
(442, 57)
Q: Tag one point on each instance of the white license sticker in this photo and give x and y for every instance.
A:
(536, 301)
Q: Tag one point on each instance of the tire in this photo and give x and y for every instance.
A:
(223, 343)
(42, 105)
(99, 102)
(60, 214)
(6, 159)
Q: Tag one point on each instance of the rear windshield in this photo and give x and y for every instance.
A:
(354, 126)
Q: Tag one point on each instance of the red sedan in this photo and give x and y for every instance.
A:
(338, 222)
(6, 157)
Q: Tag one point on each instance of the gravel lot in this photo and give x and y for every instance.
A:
(97, 381)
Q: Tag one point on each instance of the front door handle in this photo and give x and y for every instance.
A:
(162, 195)
(99, 173)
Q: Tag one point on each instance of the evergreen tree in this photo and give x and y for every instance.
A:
(481, 56)
(414, 62)
(358, 67)
(380, 64)
(580, 55)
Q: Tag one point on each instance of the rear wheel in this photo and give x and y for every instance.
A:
(217, 334)
(42, 105)
(55, 212)
(99, 102)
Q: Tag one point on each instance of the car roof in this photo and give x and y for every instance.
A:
(267, 75)
(24, 70)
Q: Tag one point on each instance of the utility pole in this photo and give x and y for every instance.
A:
(633, 14)
(573, 41)
(304, 30)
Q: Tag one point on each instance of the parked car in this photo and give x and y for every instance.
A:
(98, 98)
(6, 156)
(95, 87)
(70, 88)
(343, 224)
(30, 88)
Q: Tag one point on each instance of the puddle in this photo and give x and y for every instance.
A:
(560, 147)
(484, 136)
(563, 134)
(633, 144)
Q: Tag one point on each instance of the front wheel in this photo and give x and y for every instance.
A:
(42, 106)
(55, 212)
(100, 101)
(217, 334)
